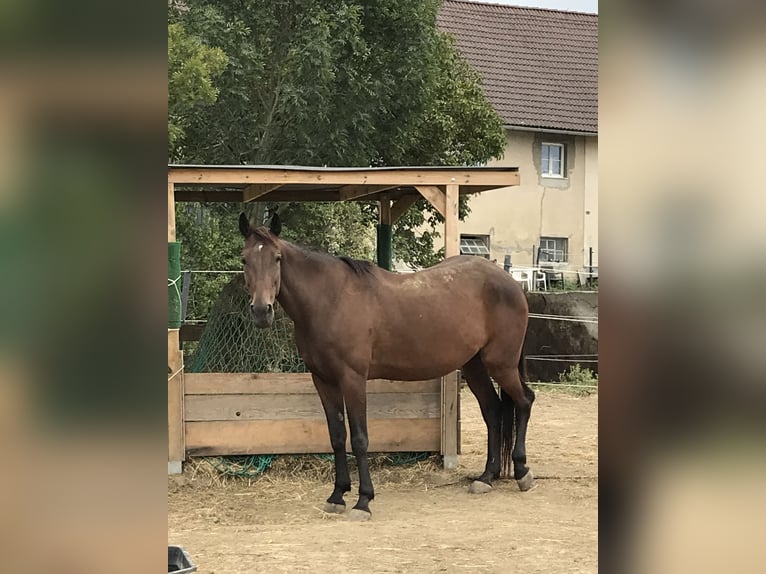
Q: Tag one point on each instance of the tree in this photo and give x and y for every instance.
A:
(339, 82)
(192, 70)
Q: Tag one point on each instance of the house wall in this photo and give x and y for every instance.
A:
(516, 217)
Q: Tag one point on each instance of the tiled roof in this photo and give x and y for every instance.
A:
(540, 67)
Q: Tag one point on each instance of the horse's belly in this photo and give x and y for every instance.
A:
(409, 356)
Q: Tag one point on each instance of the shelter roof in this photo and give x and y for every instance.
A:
(304, 183)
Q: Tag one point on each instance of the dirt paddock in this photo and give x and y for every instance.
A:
(424, 520)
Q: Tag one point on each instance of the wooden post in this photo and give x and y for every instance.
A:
(451, 235)
(385, 210)
(171, 213)
(176, 446)
(450, 388)
(384, 239)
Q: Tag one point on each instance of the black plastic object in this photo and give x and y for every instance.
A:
(179, 561)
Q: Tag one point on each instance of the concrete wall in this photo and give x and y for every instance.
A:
(547, 337)
(515, 218)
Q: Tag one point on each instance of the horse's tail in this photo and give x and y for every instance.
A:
(508, 419)
(507, 433)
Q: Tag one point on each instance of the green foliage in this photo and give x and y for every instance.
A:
(576, 375)
(192, 70)
(210, 241)
(338, 228)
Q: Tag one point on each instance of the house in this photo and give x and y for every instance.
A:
(540, 72)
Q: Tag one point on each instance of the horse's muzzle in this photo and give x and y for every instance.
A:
(263, 315)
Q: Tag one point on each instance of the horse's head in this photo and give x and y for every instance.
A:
(261, 258)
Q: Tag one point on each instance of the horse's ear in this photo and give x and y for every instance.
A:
(276, 225)
(244, 225)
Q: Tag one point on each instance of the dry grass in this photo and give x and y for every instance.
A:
(309, 471)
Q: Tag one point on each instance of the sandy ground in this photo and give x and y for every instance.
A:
(424, 520)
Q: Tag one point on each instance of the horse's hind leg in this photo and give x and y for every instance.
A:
(478, 380)
(516, 406)
(332, 401)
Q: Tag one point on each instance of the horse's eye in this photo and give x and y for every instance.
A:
(243, 261)
(278, 258)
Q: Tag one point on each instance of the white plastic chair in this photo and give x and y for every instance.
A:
(522, 276)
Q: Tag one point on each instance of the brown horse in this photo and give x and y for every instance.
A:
(354, 322)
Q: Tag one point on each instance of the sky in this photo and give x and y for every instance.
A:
(572, 5)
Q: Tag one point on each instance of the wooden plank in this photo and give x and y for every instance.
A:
(435, 197)
(205, 195)
(451, 234)
(304, 195)
(349, 192)
(256, 190)
(385, 210)
(232, 175)
(401, 206)
(171, 213)
(305, 436)
(307, 407)
(449, 419)
(176, 446)
(286, 383)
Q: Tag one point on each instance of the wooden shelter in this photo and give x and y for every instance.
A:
(395, 189)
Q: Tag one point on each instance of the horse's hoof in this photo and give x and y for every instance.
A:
(479, 487)
(332, 508)
(526, 482)
(356, 515)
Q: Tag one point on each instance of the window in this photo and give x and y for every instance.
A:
(553, 249)
(552, 160)
(474, 245)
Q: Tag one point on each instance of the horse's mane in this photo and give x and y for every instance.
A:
(358, 266)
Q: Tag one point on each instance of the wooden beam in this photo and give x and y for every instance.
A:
(304, 195)
(205, 195)
(348, 192)
(384, 177)
(385, 210)
(435, 197)
(451, 235)
(171, 213)
(280, 406)
(300, 436)
(176, 431)
(286, 383)
(256, 190)
(401, 206)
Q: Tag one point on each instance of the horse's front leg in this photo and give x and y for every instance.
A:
(332, 401)
(355, 395)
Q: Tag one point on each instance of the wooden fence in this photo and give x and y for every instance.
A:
(280, 413)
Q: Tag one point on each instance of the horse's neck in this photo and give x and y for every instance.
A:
(304, 280)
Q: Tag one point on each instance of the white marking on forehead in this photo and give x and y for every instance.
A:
(260, 246)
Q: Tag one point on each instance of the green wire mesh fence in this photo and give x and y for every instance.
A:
(231, 343)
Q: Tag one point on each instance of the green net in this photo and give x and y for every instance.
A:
(242, 466)
(231, 343)
(174, 285)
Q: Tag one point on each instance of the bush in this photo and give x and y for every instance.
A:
(580, 377)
